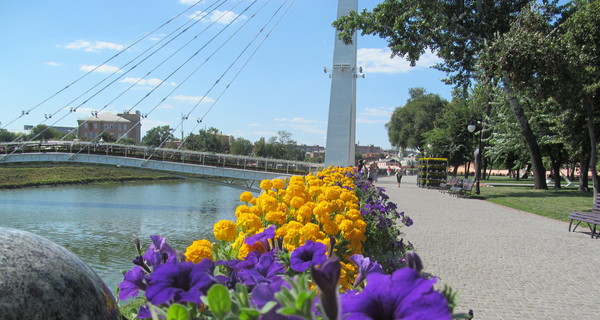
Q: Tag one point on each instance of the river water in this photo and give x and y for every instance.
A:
(100, 222)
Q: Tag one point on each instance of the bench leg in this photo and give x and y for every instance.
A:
(577, 225)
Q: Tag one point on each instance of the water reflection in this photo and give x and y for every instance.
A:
(99, 223)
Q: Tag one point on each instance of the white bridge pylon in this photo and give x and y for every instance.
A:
(341, 124)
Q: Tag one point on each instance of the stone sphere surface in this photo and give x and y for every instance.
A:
(39, 279)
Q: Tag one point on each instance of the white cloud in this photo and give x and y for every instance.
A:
(223, 17)
(253, 124)
(102, 69)
(303, 125)
(377, 60)
(150, 123)
(52, 64)
(93, 46)
(375, 115)
(265, 133)
(166, 106)
(143, 82)
(193, 99)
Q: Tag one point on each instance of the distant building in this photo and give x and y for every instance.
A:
(126, 125)
(312, 151)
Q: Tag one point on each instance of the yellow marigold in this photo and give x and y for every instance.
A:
(303, 214)
(360, 225)
(338, 218)
(255, 210)
(241, 209)
(297, 202)
(330, 228)
(249, 223)
(333, 193)
(346, 225)
(198, 251)
(246, 196)
(267, 202)
(276, 217)
(348, 196)
(253, 201)
(266, 184)
(278, 184)
(246, 249)
(297, 179)
(347, 275)
(353, 214)
(225, 230)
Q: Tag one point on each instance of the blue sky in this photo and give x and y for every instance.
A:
(49, 44)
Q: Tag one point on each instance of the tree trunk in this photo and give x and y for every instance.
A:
(556, 171)
(584, 168)
(455, 171)
(467, 168)
(539, 173)
(589, 107)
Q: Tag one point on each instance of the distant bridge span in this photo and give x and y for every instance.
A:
(230, 168)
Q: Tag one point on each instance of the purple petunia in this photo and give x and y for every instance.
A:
(401, 295)
(179, 282)
(159, 252)
(258, 268)
(263, 238)
(132, 283)
(308, 255)
(365, 267)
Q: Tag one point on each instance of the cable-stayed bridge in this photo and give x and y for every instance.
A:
(190, 41)
(231, 169)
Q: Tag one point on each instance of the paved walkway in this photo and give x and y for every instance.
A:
(505, 263)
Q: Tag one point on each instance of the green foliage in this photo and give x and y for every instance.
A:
(43, 132)
(409, 122)
(279, 147)
(241, 146)
(157, 136)
(298, 299)
(210, 140)
(7, 136)
(218, 301)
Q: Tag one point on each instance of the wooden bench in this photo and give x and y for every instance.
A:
(591, 218)
(463, 189)
(444, 187)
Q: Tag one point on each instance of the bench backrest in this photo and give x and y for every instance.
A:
(596, 207)
(453, 181)
(468, 184)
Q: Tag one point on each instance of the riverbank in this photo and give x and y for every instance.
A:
(12, 177)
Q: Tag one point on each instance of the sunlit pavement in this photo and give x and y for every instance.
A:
(505, 263)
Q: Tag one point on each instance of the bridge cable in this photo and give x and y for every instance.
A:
(240, 70)
(219, 79)
(202, 64)
(26, 112)
(112, 82)
(129, 70)
(150, 72)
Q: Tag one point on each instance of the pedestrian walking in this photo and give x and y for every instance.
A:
(399, 172)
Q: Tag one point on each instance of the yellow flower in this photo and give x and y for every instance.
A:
(225, 230)
(241, 209)
(249, 222)
(276, 217)
(330, 228)
(267, 202)
(297, 202)
(198, 251)
(246, 196)
(278, 184)
(266, 184)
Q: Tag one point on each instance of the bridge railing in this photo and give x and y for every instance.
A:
(162, 154)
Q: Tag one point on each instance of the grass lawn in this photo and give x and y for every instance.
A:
(32, 176)
(555, 204)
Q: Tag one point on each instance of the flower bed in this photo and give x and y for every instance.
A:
(323, 246)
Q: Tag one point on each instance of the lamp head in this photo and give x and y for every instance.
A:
(471, 128)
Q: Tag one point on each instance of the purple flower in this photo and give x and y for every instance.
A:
(159, 252)
(263, 237)
(401, 295)
(308, 255)
(258, 268)
(327, 277)
(132, 283)
(179, 282)
(365, 267)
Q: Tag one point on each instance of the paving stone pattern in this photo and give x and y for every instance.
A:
(505, 263)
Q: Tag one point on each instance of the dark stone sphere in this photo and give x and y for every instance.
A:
(41, 280)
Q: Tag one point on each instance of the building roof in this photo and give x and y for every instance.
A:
(106, 117)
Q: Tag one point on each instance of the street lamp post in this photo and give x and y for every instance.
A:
(477, 154)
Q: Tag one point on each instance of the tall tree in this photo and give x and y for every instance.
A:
(157, 136)
(241, 146)
(7, 136)
(408, 123)
(456, 30)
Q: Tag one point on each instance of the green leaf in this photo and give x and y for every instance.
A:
(177, 312)
(219, 301)
(287, 311)
(268, 306)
